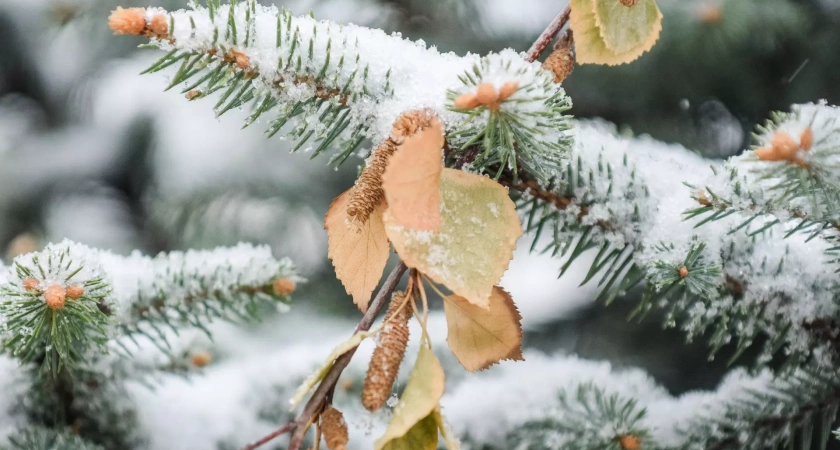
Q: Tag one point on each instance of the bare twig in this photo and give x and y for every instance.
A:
(548, 34)
(318, 400)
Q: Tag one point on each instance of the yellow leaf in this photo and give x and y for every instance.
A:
(412, 179)
(414, 410)
(452, 442)
(481, 337)
(479, 229)
(608, 32)
(319, 374)
(358, 251)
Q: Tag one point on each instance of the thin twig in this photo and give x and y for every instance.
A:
(298, 426)
(548, 34)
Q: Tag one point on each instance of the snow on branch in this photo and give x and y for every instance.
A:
(69, 299)
(337, 84)
(625, 199)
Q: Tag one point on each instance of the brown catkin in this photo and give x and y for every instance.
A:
(334, 429)
(561, 61)
(368, 191)
(388, 355)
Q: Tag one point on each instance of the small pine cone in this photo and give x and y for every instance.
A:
(30, 284)
(75, 292)
(561, 62)
(159, 26)
(334, 429)
(386, 360)
(55, 296)
(127, 20)
(284, 286)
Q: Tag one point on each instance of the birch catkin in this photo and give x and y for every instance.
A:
(368, 192)
(334, 429)
(385, 363)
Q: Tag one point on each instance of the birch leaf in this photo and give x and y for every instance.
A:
(479, 229)
(412, 179)
(608, 32)
(481, 337)
(414, 426)
(358, 251)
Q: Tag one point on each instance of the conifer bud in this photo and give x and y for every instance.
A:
(629, 442)
(683, 271)
(508, 89)
(386, 360)
(201, 359)
(55, 296)
(284, 286)
(30, 284)
(486, 94)
(159, 26)
(467, 101)
(127, 20)
(806, 139)
(75, 292)
(334, 429)
(784, 145)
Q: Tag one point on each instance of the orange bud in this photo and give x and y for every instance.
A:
(467, 101)
(75, 292)
(55, 296)
(127, 21)
(159, 26)
(201, 359)
(284, 286)
(629, 442)
(486, 94)
(806, 139)
(508, 89)
(767, 154)
(784, 145)
(683, 271)
(30, 284)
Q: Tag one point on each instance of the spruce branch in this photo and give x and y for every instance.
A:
(323, 393)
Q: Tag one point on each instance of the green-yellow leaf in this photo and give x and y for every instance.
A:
(478, 233)
(608, 32)
(319, 374)
(414, 410)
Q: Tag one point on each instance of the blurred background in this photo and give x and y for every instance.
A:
(94, 152)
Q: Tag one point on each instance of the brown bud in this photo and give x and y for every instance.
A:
(192, 94)
(467, 101)
(806, 139)
(284, 286)
(629, 3)
(508, 89)
(30, 284)
(386, 360)
(55, 296)
(334, 429)
(201, 359)
(629, 442)
(241, 59)
(75, 292)
(703, 199)
(683, 271)
(127, 21)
